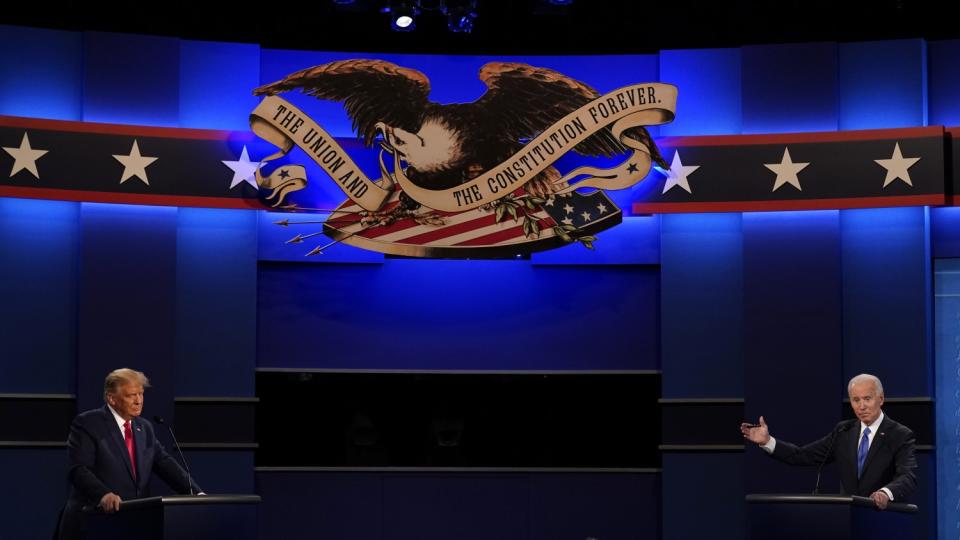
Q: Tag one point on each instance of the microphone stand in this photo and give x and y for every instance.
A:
(159, 420)
(833, 438)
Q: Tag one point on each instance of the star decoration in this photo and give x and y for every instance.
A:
(567, 221)
(586, 216)
(25, 157)
(568, 209)
(677, 174)
(786, 171)
(244, 170)
(550, 201)
(632, 167)
(283, 172)
(134, 164)
(602, 208)
(897, 166)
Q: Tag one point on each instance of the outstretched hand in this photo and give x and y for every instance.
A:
(756, 433)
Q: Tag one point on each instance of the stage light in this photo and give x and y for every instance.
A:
(403, 16)
(461, 15)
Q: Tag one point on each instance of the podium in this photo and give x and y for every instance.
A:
(205, 517)
(789, 517)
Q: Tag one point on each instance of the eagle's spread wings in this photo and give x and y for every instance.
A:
(372, 91)
(525, 100)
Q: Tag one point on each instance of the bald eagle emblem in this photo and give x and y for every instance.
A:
(465, 179)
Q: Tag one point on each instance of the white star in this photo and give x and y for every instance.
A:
(25, 157)
(567, 221)
(586, 216)
(897, 166)
(243, 170)
(134, 164)
(786, 171)
(550, 201)
(677, 174)
(568, 209)
(602, 208)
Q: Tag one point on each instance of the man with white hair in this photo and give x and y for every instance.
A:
(874, 454)
(113, 453)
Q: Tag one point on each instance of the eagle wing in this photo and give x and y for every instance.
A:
(525, 100)
(372, 91)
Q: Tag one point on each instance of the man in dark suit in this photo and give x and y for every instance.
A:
(873, 453)
(113, 453)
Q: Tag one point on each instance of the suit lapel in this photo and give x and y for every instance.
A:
(117, 438)
(878, 441)
(851, 438)
(139, 442)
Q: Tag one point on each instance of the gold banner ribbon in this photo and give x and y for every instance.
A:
(637, 105)
(280, 123)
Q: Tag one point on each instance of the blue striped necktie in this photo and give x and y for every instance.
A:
(862, 451)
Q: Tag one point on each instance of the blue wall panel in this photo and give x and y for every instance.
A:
(131, 79)
(221, 471)
(216, 306)
(127, 300)
(708, 486)
(38, 283)
(789, 88)
(216, 84)
(618, 506)
(384, 505)
(886, 303)
(708, 102)
(36, 486)
(40, 73)
(701, 306)
(947, 346)
(436, 314)
(311, 505)
(945, 232)
(883, 84)
(792, 323)
(465, 507)
(944, 69)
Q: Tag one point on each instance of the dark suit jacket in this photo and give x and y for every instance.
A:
(890, 462)
(99, 464)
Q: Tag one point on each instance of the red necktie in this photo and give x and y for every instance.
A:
(128, 438)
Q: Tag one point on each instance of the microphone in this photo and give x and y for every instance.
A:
(159, 420)
(843, 426)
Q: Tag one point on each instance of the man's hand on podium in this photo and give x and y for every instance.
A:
(757, 433)
(881, 499)
(110, 503)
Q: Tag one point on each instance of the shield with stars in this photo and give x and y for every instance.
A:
(514, 225)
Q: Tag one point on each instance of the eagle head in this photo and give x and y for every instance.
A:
(436, 148)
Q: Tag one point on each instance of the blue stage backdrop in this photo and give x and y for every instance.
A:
(727, 305)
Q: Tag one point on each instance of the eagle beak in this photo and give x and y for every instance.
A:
(384, 130)
(387, 143)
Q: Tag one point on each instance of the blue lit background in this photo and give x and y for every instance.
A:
(226, 296)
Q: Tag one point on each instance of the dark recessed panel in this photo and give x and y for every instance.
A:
(36, 419)
(215, 421)
(483, 420)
